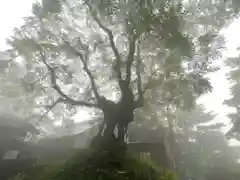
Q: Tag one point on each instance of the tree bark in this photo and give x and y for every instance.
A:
(113, 130)
(172, 146)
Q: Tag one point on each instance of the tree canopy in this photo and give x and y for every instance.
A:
(77, 51)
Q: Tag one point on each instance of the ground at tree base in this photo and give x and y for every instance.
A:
(102, 165)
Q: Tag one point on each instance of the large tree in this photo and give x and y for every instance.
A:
(106, 55)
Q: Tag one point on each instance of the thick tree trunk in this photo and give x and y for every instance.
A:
(113, 131)
(116, 128)
(117, 116)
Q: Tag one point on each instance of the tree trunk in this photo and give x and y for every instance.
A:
(117, 116)
(170, 143)
(172, 146)
(113, 131)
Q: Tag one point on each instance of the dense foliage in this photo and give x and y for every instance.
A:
(200, 147)
(77, 52)
(99, 166)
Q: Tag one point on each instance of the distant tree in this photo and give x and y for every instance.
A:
(202, 146)
(234, 101)
(198, 147)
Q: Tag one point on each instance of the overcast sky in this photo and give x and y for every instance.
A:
(12, 11)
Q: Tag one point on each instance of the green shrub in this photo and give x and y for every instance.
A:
(93, 165)
(109, 166)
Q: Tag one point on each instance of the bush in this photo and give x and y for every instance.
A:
(109, 166)
(93, 165)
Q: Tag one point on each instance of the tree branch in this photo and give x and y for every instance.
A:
(130, 57)
(86, 69)
(50, 108)
(149, 80)
(139, 101)
(111, 39)
(65, 98)
(39, 79)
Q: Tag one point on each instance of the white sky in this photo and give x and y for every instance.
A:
(214, 101)
(12, 11)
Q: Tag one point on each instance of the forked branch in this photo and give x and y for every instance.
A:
(85, 68)
(64, 97)
(141, 92)
(111, 39)
(146, 87)
(50, 107)
(130, 57)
